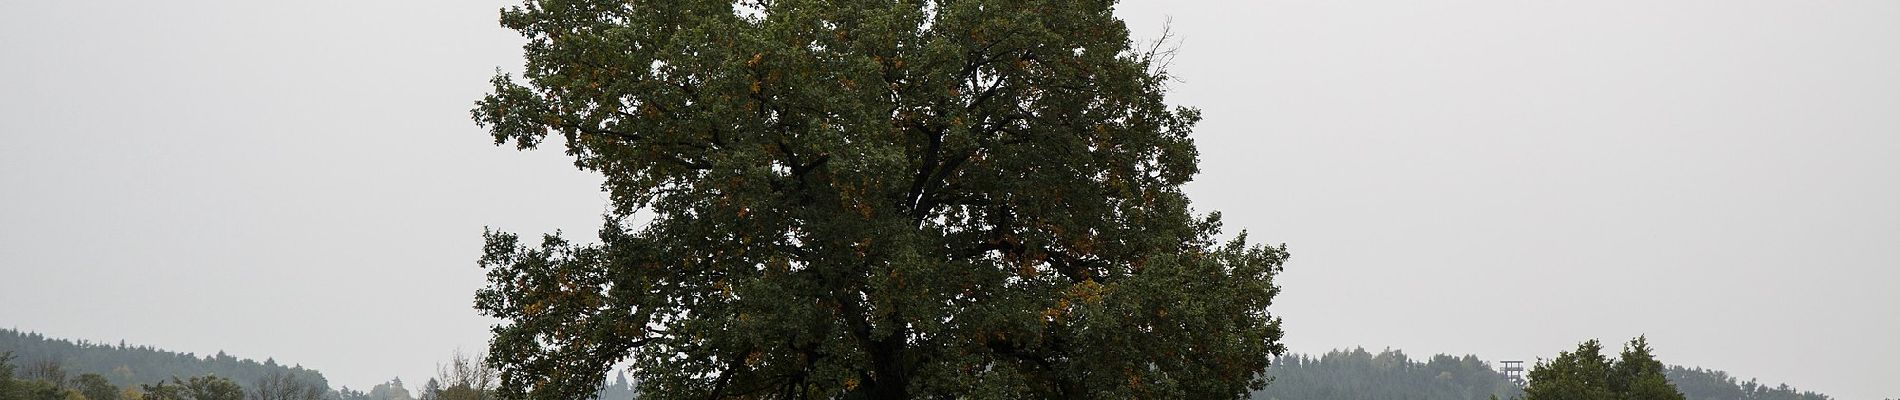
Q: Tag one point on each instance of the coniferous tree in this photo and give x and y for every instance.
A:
(431, 390)
(619, 389)
(1639, 376)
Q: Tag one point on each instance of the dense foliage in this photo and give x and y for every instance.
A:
(198, 388)
(1390, 374)
(889, 199)
(1586, 374)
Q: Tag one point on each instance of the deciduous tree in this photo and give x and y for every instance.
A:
(1586, 374)
(96, 387)
(889, 199)
(464, 378)
(282, 385)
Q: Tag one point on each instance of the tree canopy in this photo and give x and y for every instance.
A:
(197, 388)
(1586, 374)
(891, 199)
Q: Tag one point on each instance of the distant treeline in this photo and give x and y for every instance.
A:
(36, 367)
(1391, 375)
(131, 366)
(1708, 384)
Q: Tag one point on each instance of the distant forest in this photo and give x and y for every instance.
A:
(131, 366)
(36, 367)
(1391, 375)
(42, 367)
(1698, 383)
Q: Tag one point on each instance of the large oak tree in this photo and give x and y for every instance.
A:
(854, 198)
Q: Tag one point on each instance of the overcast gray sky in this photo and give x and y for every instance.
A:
(300, 180)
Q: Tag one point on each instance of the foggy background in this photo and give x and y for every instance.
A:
(300, 180)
